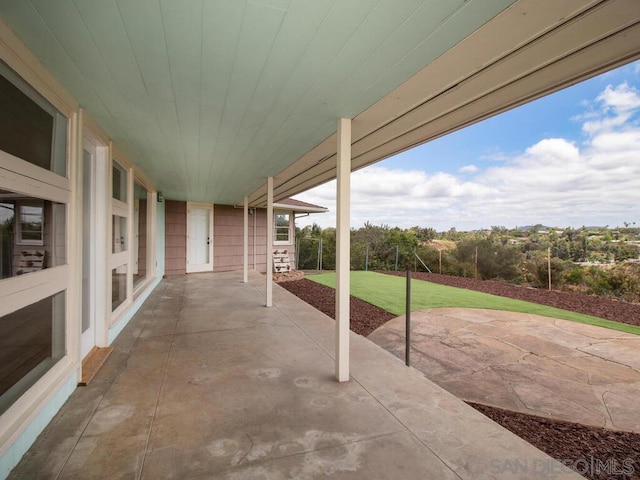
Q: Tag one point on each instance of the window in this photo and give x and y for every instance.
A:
(119, 234)
(140, 223)
(30, 127)
(32, 342)
(119, 182)
(32, 234)
(282, 226)
(33, 237)
(30, 224)
(118, 286)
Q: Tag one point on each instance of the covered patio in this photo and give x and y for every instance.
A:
(205, 382)
(130, 123)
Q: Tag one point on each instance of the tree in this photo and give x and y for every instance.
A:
(329, 248)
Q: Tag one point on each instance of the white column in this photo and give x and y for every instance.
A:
(343, 249)
(269, 242)
(245, 245)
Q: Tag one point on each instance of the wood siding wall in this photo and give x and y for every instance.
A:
(175, 249)
(227, 239)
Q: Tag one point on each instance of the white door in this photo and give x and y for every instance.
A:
(199, 238)
(88, 338)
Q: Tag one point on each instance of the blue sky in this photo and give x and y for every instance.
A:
(569, 159)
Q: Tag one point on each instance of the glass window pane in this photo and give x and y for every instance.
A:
(30, 225)
(30, 127)
(281, 227)
(32, 234)
(282, 235)
(282, 220)
(119, 182)
(118, 286)
(119, 234)
(140, 232)
(31, 342)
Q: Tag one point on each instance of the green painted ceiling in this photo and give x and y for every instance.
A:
(209, 97)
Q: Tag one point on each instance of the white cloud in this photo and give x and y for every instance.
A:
(556, 181)
(622, 98)
(615, 106)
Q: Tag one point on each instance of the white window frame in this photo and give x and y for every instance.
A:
(120, 260)
(151, 225)
(289, 240)
(48, 106)
(21, 291)
(17, 292)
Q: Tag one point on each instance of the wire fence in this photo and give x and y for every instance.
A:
(316, 253)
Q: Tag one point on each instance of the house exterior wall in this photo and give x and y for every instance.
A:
(175, 237)
(163, 248)
(228, 237)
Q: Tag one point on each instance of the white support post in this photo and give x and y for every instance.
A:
(343, 239)
(269, 252)
(245, 244)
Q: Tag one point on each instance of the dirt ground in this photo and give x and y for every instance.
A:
(593, 452)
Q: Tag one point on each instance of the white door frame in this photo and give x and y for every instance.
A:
(135, 234)
(98, 242)
(205, 267)
(89, 247)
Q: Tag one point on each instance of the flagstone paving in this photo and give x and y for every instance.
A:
(525, 363)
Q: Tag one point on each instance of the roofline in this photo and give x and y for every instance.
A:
(300, 208)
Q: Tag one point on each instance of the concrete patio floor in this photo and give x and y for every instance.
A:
(525, 363)
(206, 382)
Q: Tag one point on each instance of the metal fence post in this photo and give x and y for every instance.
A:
(407, 354)
(397, 254)
(366, 257)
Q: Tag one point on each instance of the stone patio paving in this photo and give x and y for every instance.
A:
(526, 363)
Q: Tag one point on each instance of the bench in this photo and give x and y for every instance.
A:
(30, 261)
(281, 262)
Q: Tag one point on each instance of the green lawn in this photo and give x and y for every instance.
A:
(388, 293)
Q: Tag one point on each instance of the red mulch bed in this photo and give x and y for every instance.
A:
(593, 452)
(365, 318)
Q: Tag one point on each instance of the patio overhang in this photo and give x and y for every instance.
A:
(211, 98)
(529, 50)
(228, 102)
